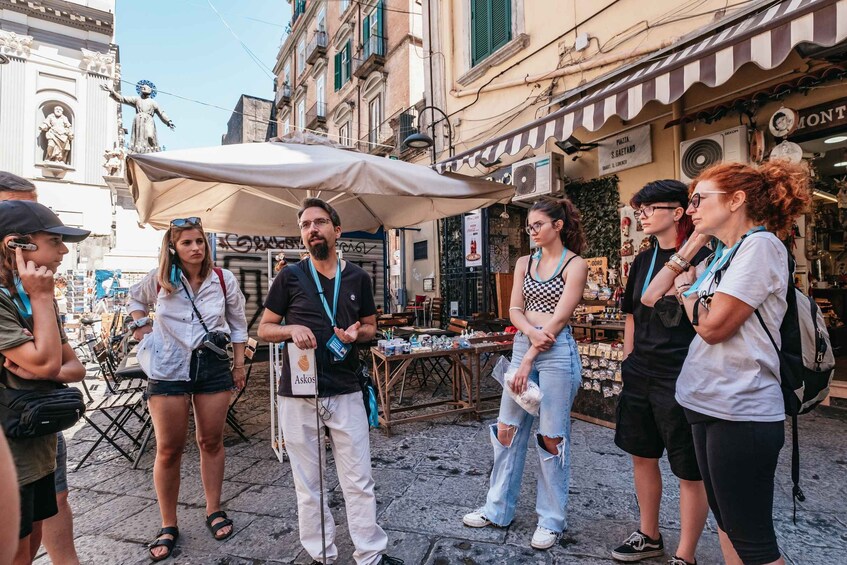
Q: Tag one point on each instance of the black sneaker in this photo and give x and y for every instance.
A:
(676, 560)
(388, 560)
(637, 547)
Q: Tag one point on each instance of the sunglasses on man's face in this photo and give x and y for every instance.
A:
(182, 222)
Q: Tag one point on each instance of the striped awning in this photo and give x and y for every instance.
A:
(765, 39)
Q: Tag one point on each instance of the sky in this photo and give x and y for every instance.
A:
(185, 49)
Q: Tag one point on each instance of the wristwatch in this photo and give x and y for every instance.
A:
(140, 323)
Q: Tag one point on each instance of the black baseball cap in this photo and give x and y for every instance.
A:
(14, 183)
(26, 217)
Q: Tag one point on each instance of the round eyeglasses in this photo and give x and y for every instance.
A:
(695, 199)
(649, 209)
(535, 228)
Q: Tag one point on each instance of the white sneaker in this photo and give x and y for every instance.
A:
(543, 538)
(476, 519)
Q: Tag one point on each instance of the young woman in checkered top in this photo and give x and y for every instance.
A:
(548, 286)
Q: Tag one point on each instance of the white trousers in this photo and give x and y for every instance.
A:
(346, 419)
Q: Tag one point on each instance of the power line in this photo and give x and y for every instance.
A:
(243, 45)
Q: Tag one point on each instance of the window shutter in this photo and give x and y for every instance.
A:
(349, 69)
(366, 35)
(501, 24)
(480, 38)
(380, 20)
(337, 71)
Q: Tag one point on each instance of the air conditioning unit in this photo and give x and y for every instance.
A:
(538, 176)
(696, 155)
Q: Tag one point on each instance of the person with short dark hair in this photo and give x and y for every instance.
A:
(301, 294)
(13, 187)
(729, 384)
(648, 419)
(33, 347)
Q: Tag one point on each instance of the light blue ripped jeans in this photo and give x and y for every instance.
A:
(557, 372)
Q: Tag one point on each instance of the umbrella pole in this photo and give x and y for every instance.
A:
(321, 471)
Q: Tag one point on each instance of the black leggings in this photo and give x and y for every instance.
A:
(737, 461)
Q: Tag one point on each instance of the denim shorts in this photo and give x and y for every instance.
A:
(208, 374)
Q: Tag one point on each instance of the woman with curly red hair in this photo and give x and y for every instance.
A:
(729, 383)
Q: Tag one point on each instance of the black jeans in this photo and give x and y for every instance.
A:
(737, 461)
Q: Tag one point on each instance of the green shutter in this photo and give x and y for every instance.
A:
(337, 71)
(349, 49)
(480, 38)
(366, 35)
(501, 24)
(380, 21)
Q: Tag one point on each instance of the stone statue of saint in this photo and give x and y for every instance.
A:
(57, 129)
(144, 139)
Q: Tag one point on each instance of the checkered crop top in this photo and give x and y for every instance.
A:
(542, 296)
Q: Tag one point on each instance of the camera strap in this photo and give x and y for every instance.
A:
(196, 311)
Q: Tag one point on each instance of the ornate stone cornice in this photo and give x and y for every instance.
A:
(65, 13)
(14, 45)
(98, 63)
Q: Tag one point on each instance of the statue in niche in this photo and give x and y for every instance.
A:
(144, 139)
(114, 160)
(59, 133)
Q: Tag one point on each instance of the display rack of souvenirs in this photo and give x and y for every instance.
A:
(601, 367)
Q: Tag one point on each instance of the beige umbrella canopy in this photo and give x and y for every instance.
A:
(256, 188)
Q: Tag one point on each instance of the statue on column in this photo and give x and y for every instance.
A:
(144, 139)
(59, 133)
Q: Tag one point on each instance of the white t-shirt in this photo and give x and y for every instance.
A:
(738, 379)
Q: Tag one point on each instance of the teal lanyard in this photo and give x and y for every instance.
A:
(650, 272)
(722, 255)
(330, 313)
(559, 266)
(22, 302)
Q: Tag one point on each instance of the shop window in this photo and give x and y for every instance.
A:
(491, 27)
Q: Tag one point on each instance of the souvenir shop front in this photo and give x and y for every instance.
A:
(768, 86)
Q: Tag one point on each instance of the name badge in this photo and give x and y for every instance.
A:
(303, 374)
(338, 348)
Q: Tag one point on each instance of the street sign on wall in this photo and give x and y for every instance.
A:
(625, 150)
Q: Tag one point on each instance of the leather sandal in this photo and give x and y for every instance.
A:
(164, 542)
(215, 528)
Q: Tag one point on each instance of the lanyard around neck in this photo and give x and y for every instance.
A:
(22, 302)
(722, 256)
(650, 271)
(330, 313)
(559, 266)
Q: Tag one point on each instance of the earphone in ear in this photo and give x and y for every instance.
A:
(22, 243)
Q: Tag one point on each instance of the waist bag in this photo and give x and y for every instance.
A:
(35, 413)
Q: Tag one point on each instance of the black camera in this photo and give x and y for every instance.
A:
(216, 342)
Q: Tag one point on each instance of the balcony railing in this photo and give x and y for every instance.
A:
(283, 96)
(316, 48)
(379, 141)
(373, 57)
(316, 115)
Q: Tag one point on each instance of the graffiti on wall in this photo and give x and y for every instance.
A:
(250, 243)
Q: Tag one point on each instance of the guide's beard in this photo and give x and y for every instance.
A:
(319, 250)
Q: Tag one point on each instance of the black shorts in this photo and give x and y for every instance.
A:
(208, 374)
(38, 502)
(649, 420)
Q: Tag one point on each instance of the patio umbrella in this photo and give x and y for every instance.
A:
(256, 188)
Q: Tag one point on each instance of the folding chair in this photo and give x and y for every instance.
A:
(249, 352)
(117, 408)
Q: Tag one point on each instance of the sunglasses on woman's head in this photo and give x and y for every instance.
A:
(182, 222)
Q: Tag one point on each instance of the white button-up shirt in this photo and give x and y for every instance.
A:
(177, 331)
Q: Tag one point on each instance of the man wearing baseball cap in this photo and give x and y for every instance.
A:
(13, 187)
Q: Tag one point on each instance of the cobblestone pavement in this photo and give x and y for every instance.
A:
(427, 476)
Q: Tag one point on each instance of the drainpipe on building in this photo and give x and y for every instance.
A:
(678, 111)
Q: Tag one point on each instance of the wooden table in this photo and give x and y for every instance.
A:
(388, 370)
(467, 367)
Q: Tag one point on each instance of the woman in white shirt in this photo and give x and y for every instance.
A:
(198, 309)
(729, 385)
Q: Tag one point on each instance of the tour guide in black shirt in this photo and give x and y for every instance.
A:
(308, 324)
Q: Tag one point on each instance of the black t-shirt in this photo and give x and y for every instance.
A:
(295, 298)
(662, 333)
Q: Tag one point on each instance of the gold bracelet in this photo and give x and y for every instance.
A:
(674, 267)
